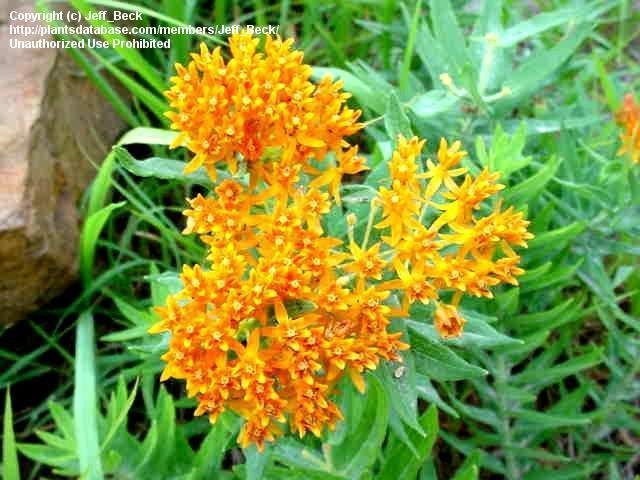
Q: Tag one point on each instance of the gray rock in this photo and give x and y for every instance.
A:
(55, 128)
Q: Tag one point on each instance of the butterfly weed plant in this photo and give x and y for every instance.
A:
(231, 336)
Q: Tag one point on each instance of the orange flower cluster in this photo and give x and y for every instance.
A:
(258, 105)
(629, 119)
(270, 327)
(282, 310)
(446, 247)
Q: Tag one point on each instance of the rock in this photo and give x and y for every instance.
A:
(55, 127)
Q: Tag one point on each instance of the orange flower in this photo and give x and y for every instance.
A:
(448, 321)
(349, 162)
(366, 263)
(629, 119)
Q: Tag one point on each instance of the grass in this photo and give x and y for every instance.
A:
(545, 380)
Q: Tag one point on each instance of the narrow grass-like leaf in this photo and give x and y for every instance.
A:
(153, 101)
(10, 466)
(120, 419)
(88, 240)
(449, 35)
(408, 50)
(540, 23)
(132, 56)
(538, 69)
(396, 121)
(557, 238)
(532, 186)
(358, 450)
(148, 136)
(85, 402)
(401, 462)
(100, 186)
(531, 377)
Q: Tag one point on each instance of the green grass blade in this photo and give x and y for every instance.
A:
(89, 238)
(408, 51)
(155, 103)
(115, 99)
(131, 56)
(85, 401)
(101, 184)
(10, 467)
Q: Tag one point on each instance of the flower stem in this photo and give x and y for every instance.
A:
(372, 214)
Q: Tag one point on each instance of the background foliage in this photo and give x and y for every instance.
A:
(545, 380)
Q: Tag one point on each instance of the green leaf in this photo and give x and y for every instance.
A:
(163, 168)
(164, 419)
(432, 104)
(468, 447)
(558, 276)
(561, 314)
(401, 432)
(403, 81)
(47, 455)
(126, 334)
(521, 193)
(428, 393)
(505, 154)
(121, 415)
(148, 136)
(469, 469)
(449, 35)
(154, 102)
(558, 238)
(10, 466)
(132, 56)
(399, 381)
(433, 55)
(63, 420)
(478, 414)
(530, 420)
(85, 403)
(531, 377)
(89, 238)
(538, 126)
(256, 462)
(396, 121)
(183, 11)
(359, 448)
(101, 184)
(56, 441)
(537, 70)
(163, 285)
(438, 361)
(208, 459)
(400, 462)
(131, 313)
(564, 473)
(477, 333)
(303, 459)
(540, 23)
